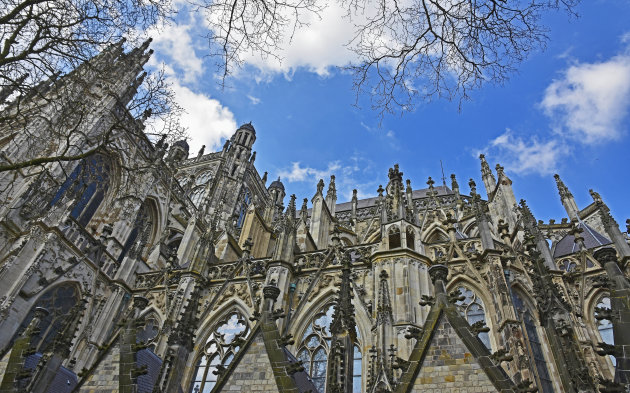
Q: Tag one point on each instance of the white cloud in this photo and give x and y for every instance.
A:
(591, 100)
(298, 173)
(317, 47)
(526, 156)
(207, 119)
(173, 43)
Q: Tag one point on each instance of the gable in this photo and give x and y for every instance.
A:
(449, 366)
(253, 371)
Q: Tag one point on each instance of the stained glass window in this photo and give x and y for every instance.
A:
(605, 327)
(534, 343)
(219, 350)
(472, 309)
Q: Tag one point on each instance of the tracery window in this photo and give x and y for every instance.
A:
(604, 326)
(88, 182)
(534, 344)
(219, 350)
(473, 310)
(58, 301)
(148, 332)
(314, 348)
(203, 178)
(196, 195)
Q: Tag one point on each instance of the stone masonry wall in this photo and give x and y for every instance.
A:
(449, 367)
(253, 373)
(105, 378)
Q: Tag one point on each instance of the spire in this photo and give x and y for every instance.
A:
(486, 174)
(566, 198)
(611, 226)
(331, 195)
(343, 327)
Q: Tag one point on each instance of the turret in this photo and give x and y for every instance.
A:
(243, 140)
(276, 189)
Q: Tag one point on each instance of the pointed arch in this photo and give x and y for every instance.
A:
(220, 340)
(58, 300)
(434, 234)
(472, 314)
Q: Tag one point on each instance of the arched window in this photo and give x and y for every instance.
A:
(604, 326)
(394, 237)
(473, 310)
(58, 301)
(411, 239)
(196, 195)
(88, 183)
(314, 348)
(315, 345)
(246, 199)
(534, 344)
(148, 332)
(568, 265)
(224, 342)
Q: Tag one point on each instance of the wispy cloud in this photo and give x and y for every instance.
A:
(253, 100)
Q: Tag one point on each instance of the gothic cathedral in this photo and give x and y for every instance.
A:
(194, 273)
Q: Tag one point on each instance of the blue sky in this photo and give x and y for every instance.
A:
(565, 111)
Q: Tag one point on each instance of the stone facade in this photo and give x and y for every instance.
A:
(231, 286)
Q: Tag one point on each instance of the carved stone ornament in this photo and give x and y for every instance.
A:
(438, 273)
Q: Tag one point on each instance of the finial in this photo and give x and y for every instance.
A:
(203, 148)
(320, 186)
(485, 168)
(430, 182)
(264, 178)
(563, 190)
(354, 195)
(499, 169)
(332, 189)
(454, 184)
(380, 190)
(595, 195)
(473, 186)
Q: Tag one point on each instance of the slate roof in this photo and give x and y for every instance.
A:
(154, 363)
(592, 239)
